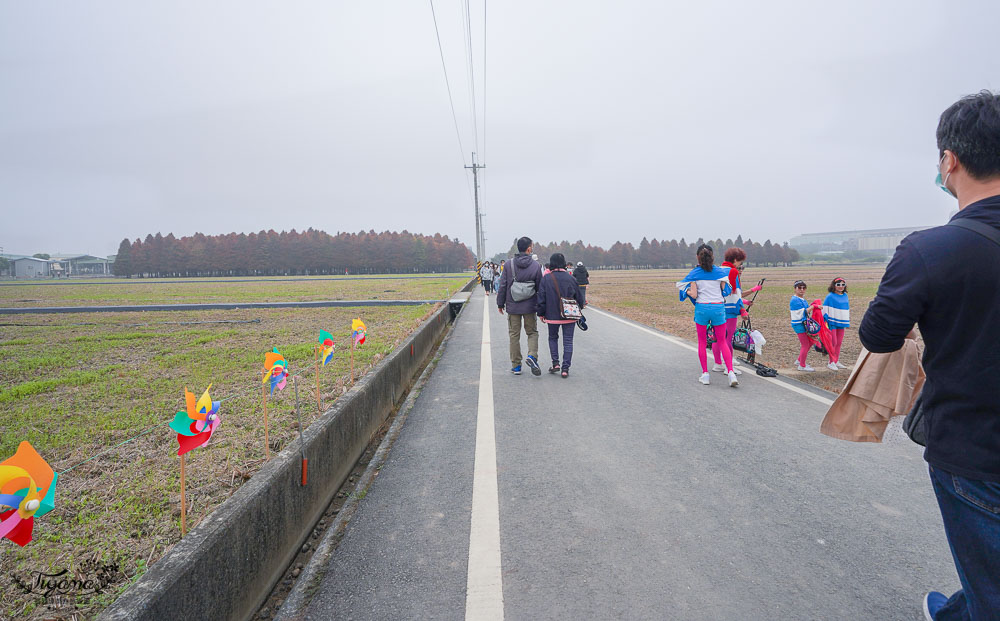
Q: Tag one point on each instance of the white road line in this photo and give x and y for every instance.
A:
(688, 346)
(484, 592)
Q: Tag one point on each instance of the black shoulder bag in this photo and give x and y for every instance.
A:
(914, 423)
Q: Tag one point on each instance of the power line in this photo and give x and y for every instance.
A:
(472, 72)
(447, 83)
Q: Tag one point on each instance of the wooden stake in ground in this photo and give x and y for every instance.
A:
(302, 446)
(267, 446)
(183, 502)
(319, 402)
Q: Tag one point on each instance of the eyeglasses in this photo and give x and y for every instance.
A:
(840, 284)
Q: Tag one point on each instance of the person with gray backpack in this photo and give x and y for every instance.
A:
(516, 292)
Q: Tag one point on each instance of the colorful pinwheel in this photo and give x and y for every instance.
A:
(358, 331)
(326, 343)
(195, 426)
(28, 487)
(275, 369)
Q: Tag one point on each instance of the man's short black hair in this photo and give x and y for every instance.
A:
(525, 242)
(970, 128)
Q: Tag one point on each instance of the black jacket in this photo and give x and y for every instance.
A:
(548, 300)
(581, 275)
(942, 279)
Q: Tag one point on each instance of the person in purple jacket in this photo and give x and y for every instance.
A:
(558, 283)
(526, 272)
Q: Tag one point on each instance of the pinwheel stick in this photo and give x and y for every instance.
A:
(183, 502)
(319, 401)
(267, 446)
(352, 359)
(302, 446)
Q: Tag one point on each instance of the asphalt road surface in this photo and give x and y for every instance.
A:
(630, 491)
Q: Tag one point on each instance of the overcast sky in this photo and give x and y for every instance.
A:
(603, 121)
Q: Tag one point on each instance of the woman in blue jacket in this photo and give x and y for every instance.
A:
(556, 284)
(837, 312)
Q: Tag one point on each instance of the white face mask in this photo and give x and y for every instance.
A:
(942, 183)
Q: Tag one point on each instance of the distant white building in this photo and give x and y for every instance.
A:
(30, 267)
(872, 240)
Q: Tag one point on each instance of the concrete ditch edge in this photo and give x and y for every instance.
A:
(298, 599)
(227, 565)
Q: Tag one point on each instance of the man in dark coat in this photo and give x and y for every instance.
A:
(582, 278)
(527, 272)
(940, 279)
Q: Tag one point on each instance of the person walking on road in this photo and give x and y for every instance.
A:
(801, 310)
(706, 286)
(486, 276)
(735, 305)
(582, 278)
(558, 284)
(517, 293)
(936, 280)
(837, 313)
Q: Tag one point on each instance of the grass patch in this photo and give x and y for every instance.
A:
(75, 390)
(27, 389)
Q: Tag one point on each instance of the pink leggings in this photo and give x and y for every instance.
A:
(837, 335)
(804, 351)
(720, 333)
(730, 328)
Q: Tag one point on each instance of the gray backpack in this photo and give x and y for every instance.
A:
(520, 291)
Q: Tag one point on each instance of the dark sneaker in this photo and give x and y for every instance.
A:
(555, 368)
(516, 370)
(933, 602)
(533, 363)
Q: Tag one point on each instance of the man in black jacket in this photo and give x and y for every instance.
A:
(941, 279)
(582, 278)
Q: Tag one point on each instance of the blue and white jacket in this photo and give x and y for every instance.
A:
(837, 311)
(798, 307)
(734, 301)
(708, 285)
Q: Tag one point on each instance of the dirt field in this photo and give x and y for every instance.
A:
(650, 297)
(77, 385)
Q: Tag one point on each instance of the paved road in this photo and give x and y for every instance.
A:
(630, 491)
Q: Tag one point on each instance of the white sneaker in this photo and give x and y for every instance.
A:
(807, 368)
(721, 368)
(833, 366)
(841, 365)
(733, 382)
(705, 378)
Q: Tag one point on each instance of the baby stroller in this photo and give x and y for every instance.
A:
(743, 340)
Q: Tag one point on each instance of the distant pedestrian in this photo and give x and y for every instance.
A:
(837, 312)
(517, 293)
(734, 306)
(706, 286)
(558, 284)
(486, 276)
(940, 279)
(582, 278)
(801, 312)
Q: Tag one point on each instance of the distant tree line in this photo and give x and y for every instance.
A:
(268, 253)
(652, 254)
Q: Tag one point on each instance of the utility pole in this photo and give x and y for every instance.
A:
(479, 222)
